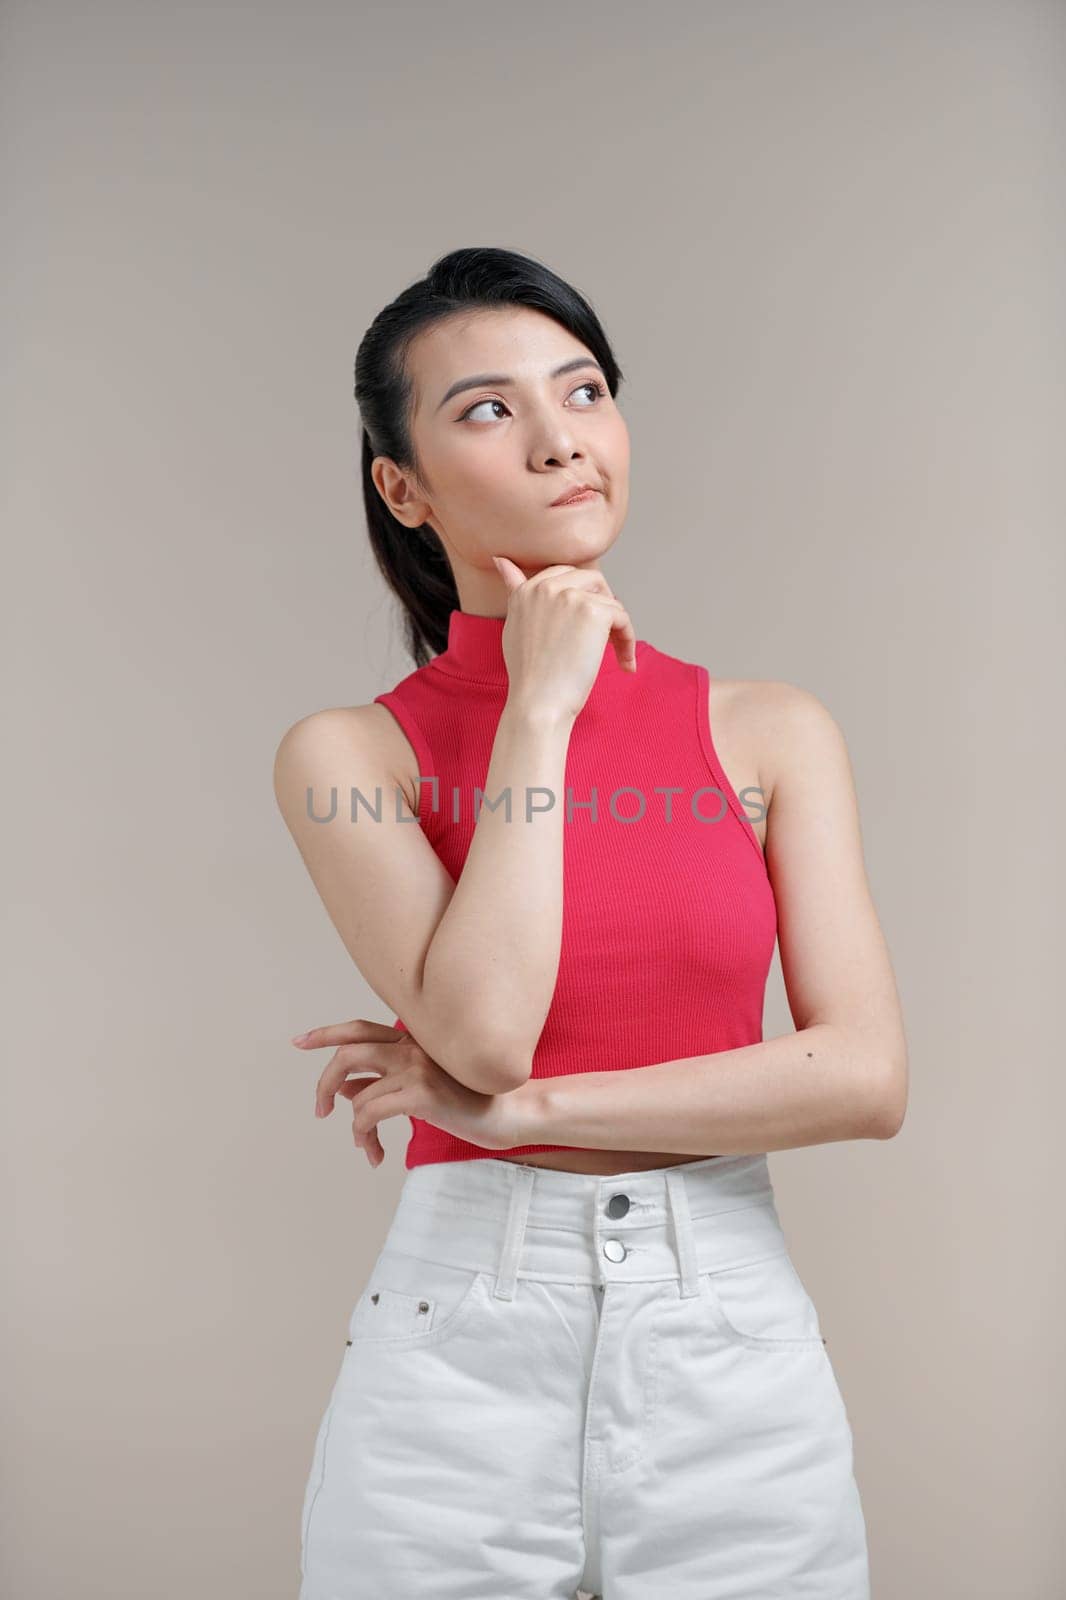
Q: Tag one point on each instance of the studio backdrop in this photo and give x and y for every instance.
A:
(827, 243)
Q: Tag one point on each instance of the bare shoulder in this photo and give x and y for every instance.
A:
(808, 776)
(768, 726)
(367, 732)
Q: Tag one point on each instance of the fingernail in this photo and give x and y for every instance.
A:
(300, 1037)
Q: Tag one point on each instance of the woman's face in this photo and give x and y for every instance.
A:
(496, 452)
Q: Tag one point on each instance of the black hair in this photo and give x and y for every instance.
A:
(413, 561)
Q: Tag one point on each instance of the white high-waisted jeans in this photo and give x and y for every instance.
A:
(556, 1382)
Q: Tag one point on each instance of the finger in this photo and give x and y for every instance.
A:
(349, 1058)
(569, 577)
(624, 639)
(369, 1142)
(511, 574)
(346, 1033)
(354, 1087)
(375, 1150)
(623, 635)
(375, 1106)
(562, 577)
(514, 577)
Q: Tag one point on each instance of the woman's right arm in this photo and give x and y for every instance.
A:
(471, 966)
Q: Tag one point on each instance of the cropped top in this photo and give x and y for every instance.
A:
(669, 919)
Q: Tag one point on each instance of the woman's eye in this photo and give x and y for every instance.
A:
(597, 388)
(469, 412)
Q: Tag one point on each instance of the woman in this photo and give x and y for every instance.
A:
(584, 1360)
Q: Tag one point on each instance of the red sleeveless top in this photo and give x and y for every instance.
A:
(669, 918)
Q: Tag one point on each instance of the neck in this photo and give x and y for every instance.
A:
(475, 650)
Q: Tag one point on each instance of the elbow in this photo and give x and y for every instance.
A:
(493, 1070)
(474, 1054)
(510, 1066)
(890, 1098)
(513, 1079)
(502, 1073)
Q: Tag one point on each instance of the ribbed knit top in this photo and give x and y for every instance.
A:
(669, 918)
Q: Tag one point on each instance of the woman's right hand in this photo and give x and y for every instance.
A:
(559, 622)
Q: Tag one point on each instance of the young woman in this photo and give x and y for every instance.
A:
(584, 1359)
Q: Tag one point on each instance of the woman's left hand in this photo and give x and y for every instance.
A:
(409, 1083)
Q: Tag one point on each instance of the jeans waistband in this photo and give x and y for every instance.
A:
(522, 1221)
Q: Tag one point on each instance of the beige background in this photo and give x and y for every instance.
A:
(827, 241)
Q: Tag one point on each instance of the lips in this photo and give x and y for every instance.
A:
(576, 493)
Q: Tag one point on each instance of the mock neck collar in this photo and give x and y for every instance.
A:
(475, 651)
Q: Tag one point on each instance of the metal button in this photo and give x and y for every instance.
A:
(618, 1205)
(615, 1250)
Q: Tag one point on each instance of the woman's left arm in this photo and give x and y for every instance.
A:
(843, 1074)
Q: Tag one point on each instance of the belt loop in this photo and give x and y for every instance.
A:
(683, 1234)
(514, 1233)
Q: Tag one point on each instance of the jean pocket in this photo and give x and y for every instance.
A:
(763, 1304)
(414, 1300)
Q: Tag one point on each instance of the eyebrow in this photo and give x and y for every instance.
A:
(500, 380)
